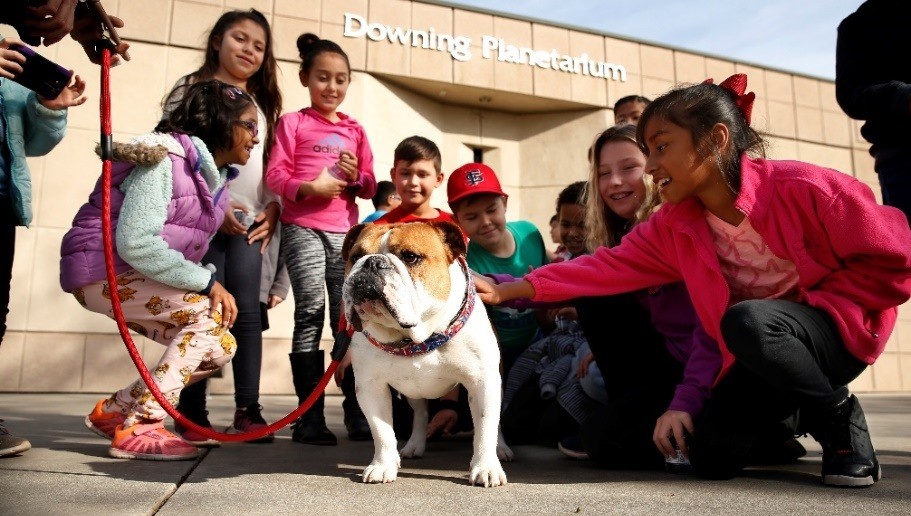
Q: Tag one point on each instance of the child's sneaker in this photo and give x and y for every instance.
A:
(195, 438)
(103, 423)
(250, 420)
(11, 445)
(149, 441)
(572, 447)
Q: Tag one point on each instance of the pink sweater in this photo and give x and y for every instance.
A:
(305, 142)
(853, 256)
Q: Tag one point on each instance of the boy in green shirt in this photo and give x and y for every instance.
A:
(478, 204)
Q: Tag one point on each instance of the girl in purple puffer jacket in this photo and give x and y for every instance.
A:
(168, 199)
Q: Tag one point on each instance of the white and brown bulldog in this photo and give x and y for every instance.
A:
(420, 329)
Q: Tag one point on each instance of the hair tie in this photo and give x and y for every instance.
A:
(736, 85)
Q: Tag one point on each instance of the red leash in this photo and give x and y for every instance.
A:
(106, 156)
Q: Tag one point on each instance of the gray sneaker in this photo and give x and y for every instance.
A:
(10, 445)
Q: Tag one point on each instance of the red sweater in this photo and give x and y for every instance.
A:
(853, 256)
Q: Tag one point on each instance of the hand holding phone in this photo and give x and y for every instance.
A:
(39, 74)
(11, 61)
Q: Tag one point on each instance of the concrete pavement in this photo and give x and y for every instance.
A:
(69, 472)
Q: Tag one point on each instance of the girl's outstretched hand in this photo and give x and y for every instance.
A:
(673, 424)
(10, 60)
(223, 299)
(493, 294)
(487, 289)
(72, 95)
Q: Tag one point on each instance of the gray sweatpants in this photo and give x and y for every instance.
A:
(314, 260)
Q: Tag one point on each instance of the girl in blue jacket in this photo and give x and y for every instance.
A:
(29, 126)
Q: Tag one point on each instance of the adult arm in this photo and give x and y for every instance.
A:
(866, 70)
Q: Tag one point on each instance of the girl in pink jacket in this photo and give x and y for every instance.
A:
(794, 269)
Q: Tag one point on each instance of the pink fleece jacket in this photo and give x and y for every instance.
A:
(853, 256)
(305, 142)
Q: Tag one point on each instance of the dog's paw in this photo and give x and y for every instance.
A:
(380, 473)
(504, 453)
(489, 474)
(413, 449)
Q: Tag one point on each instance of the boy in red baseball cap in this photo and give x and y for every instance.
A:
(495, 246)
(478, 204)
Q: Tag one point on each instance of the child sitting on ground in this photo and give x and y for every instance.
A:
(547, 381)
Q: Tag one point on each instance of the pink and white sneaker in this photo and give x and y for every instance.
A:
(104, 423)
(149, 441)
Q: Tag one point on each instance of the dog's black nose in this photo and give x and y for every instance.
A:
(376, 263)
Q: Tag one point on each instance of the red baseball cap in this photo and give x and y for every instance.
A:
(472, 179)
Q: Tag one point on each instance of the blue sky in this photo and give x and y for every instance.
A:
(794, 35)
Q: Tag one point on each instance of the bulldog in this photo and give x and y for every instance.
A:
(421, 329)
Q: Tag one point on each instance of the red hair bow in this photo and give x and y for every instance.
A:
(736, 85)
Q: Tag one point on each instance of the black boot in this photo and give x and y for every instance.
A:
(310, 428)
(355, 422)
(848, 458)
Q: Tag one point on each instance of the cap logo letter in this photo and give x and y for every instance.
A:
(474, 177)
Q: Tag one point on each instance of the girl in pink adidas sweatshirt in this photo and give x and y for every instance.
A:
(794, 269)
(320, 162)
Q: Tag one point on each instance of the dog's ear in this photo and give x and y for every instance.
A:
(453, 238)
(351, 238)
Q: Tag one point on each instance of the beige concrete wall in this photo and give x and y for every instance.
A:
(54, 345)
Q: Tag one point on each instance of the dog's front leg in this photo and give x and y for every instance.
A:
(484, 400)
(418, 440)
(376, 402)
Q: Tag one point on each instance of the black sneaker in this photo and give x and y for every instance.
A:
(848, 458)
(572, 447)
(11, 445)
(249, 420)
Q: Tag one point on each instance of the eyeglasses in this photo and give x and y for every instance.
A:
(249, 125)
(395, 197)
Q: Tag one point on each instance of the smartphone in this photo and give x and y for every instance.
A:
(41, 75)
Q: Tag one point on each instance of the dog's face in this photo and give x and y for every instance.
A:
(398, 277)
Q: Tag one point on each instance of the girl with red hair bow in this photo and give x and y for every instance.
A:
(794, 269)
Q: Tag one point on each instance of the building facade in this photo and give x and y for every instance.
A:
(526, 96)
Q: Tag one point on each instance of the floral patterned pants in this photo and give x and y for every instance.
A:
(197, 343)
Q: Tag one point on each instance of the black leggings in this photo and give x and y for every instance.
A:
(789, 358)
(640, 377)
(238, 268)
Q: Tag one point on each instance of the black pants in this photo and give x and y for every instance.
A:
(7, 250)
(528, 419)
(790, 358)
(893, 166)
(238, 268)
(640, 377)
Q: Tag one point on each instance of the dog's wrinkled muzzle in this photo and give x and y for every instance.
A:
(377, 290)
